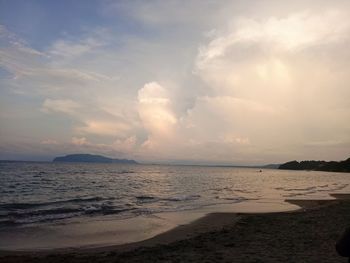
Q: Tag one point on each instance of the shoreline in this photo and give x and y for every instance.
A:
(209, 228)
(101, 233)
(217, 220)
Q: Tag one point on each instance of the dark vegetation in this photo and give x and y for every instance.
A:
(342, 166)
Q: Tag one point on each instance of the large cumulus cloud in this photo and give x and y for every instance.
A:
(232, 82)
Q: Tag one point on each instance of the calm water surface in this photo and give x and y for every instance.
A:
(38, 193)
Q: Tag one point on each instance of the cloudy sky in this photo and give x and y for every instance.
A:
(225, 82)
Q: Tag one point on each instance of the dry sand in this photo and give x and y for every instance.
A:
(306, 235)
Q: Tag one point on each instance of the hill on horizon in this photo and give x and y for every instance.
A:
(332, 166)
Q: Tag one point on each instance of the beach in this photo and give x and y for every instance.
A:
(174, 131)
(305, 235)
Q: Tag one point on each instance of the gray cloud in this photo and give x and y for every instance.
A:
(226, 82)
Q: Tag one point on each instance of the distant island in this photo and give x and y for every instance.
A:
(342, 166)
(90, 158)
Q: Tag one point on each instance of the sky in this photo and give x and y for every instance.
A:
(194, 82)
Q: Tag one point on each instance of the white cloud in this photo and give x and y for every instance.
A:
(223, 82)
(127, 145)
(107, 128)
(65, 106)
(69, 49)
(79, 141)
(277, 78)
(296, 31)
(156, 113)
(49, 142)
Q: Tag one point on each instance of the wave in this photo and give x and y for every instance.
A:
(17, 206)
(237, 199)
(244, 191)
(51, 215)
(61, 210)
(296, 189)
(125, 172)
(182, 198)
(107, 210)
(49, 192)
(146, 198)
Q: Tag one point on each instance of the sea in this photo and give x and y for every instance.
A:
(34, 194)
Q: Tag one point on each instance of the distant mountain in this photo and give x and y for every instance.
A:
(89, 158)
(342, 166)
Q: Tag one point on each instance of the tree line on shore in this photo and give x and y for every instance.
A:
(332, 166)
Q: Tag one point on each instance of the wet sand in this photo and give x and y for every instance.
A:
(100, 232)
(306, 235)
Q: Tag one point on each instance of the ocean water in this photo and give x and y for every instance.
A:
(42, 193)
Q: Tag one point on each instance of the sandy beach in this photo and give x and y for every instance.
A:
(174, 131)
(306, 235)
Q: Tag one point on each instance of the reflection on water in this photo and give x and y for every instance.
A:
(36, 193)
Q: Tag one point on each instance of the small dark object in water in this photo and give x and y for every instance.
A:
(343, 244)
